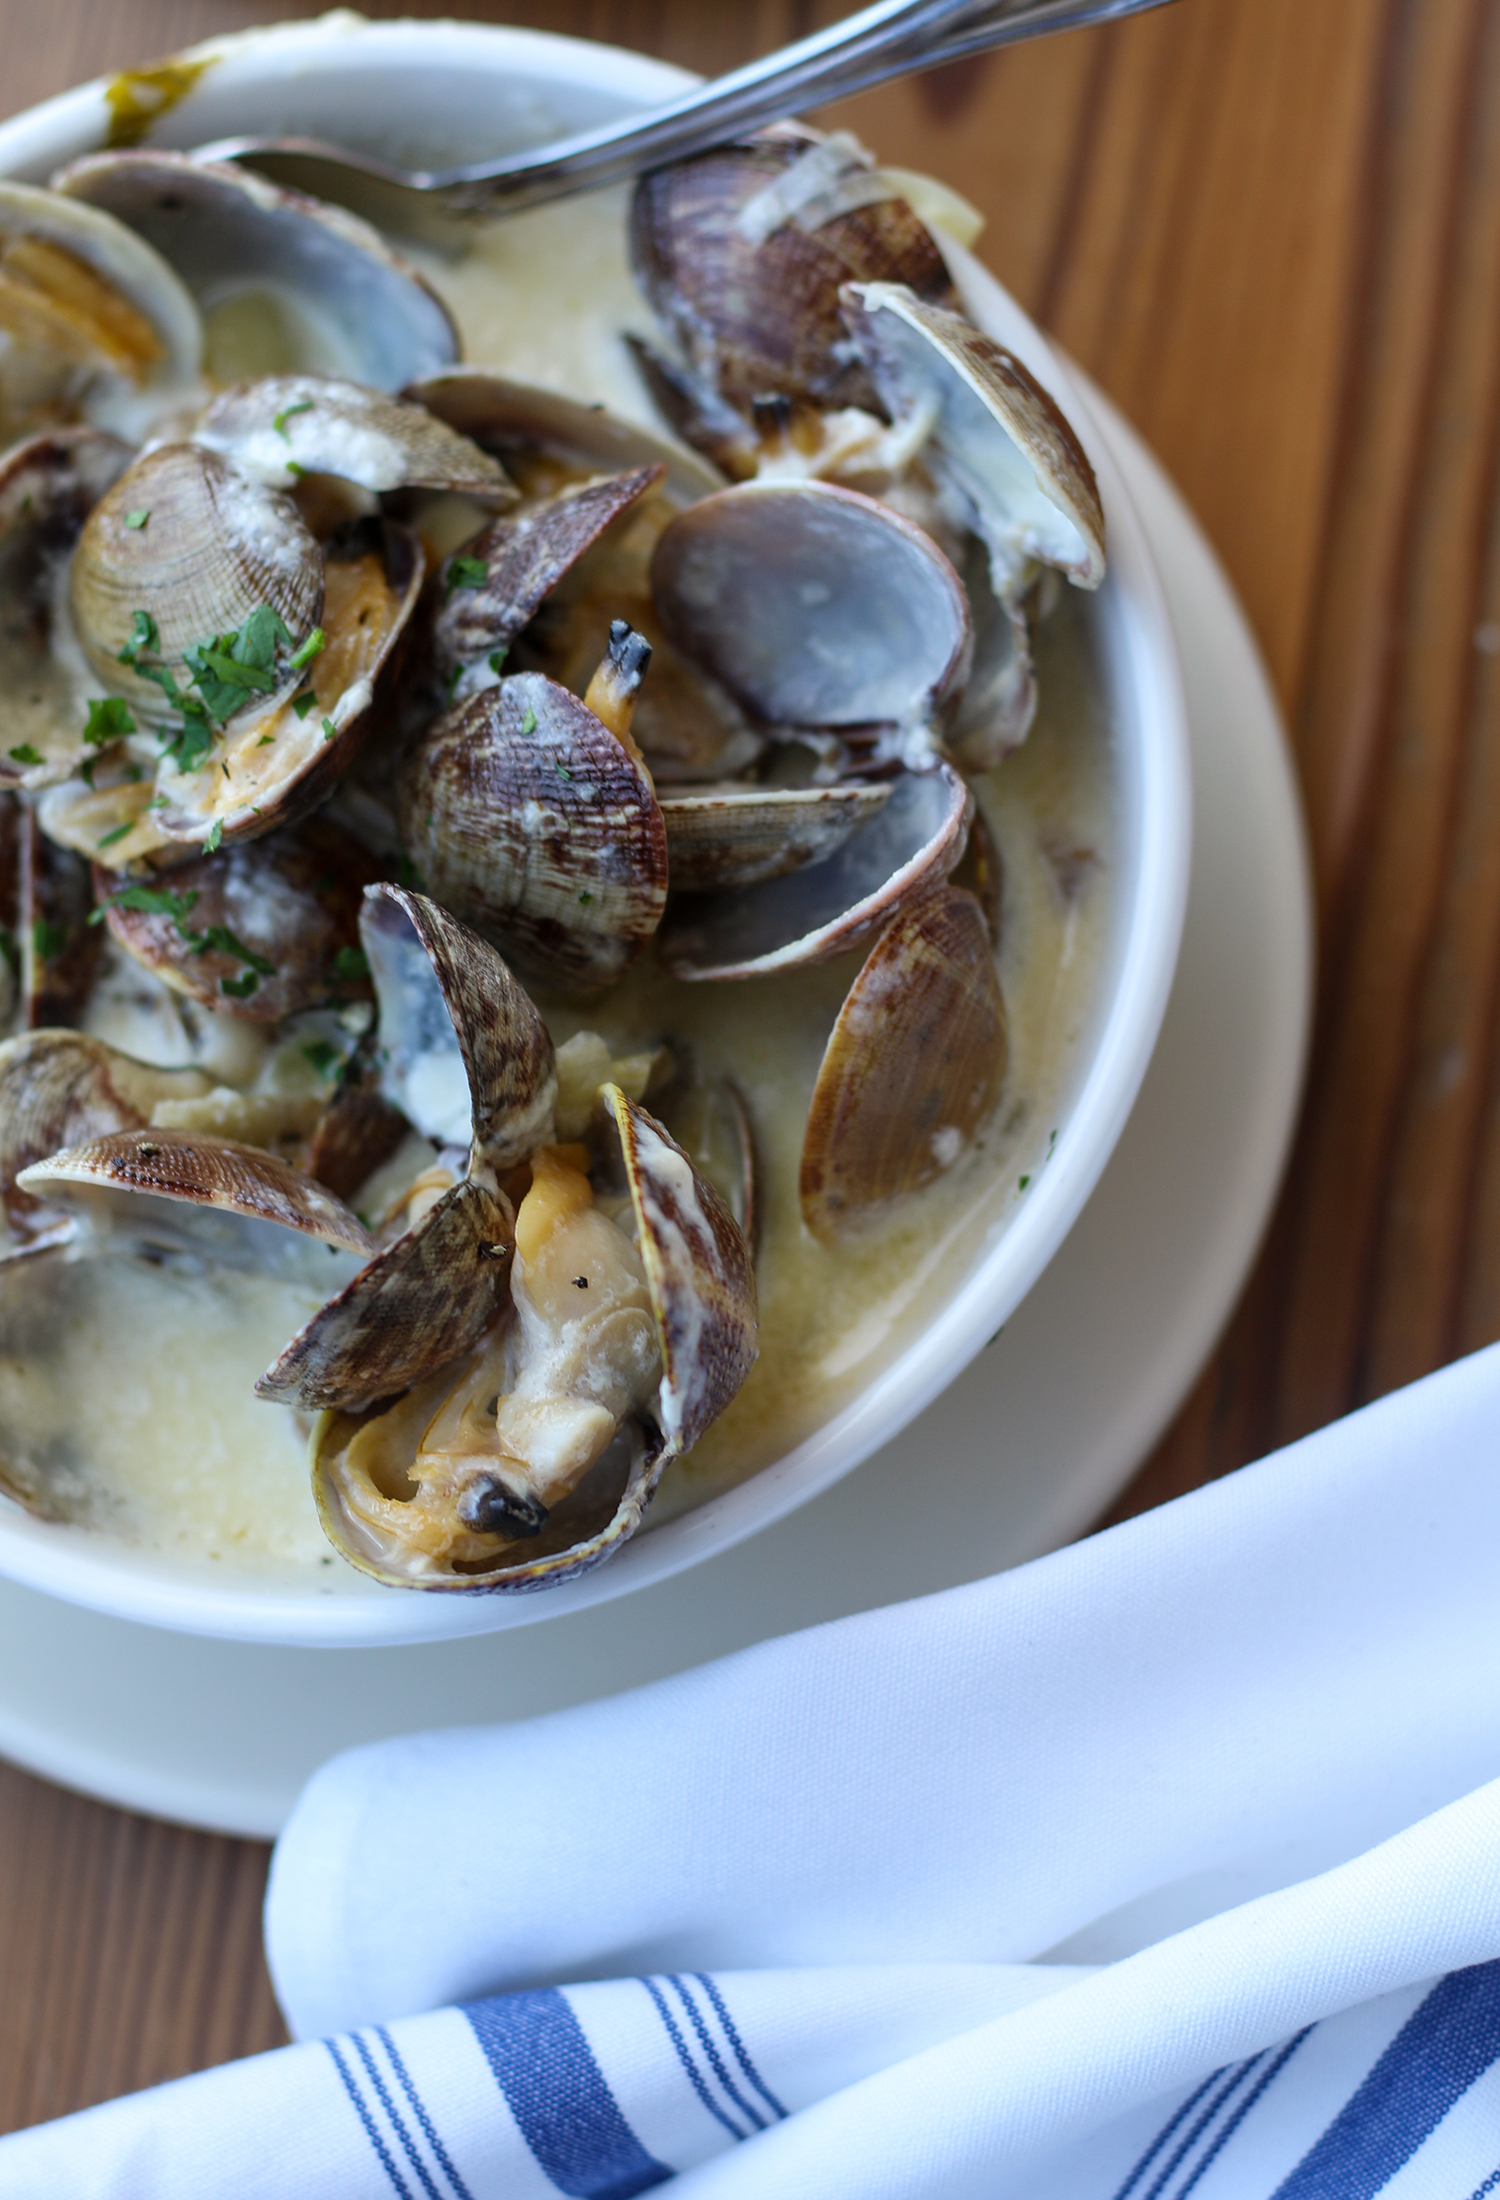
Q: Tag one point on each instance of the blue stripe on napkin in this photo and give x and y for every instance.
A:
(557, 2093)
(741, 2052)
(363, 2113)
(684, 2053)
(1448, 2042)
(1210, 2131)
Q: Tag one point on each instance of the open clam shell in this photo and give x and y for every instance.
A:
(826, 908)
(262, 929)
(58, 947)
(503, 416)
(814, 606)
(274, 767)
(283, 282)
(734, 835)
(756, 311)
(996, 433)
(702, 1294)
(282, 426)
(532, 821)
(93, 314)
(60, 1089)
(913, 1067)
(48, 487)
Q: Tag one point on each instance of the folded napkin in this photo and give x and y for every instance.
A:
(1169, 1864)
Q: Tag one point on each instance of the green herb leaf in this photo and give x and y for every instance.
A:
(154, 901)
(324, 1058)
(465, 573)
(189, 748)
(290, 412)
(240, 988)
(143, 636)
(48, 940)
(304, 656)
(298, 473)
(330, 730)
(109, 720)
(352, 963)
(528, 726)
(136, 520)
(584, 899)
(215, 835)
(24, 753)
(119, 833)
(230, 669)
(497, 659)
(304, 702)
(1022, 1182)
(222, 941)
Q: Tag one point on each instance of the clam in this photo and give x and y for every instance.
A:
(58, 949)
(48, 487)
(284, 283)
(738, 835)
(749, 291)
(992, 432)
(263, 929)
(534, 1458)
(530, 817)
(91, 316)
(912, 1069)
(281, 427)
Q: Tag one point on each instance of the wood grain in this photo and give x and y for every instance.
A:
(1273, 234)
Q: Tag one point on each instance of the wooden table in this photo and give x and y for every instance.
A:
(1271, 230)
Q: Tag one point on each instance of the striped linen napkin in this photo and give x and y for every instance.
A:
(1167, 1865)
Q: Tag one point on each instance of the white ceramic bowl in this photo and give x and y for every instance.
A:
(426, 93)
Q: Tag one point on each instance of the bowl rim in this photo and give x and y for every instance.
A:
(1153, 772)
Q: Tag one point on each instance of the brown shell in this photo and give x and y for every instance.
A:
(357, 1131)
(827, 908)
(273, 769)
(734, 835)
(754, 319)
(292, 899)
(913, 1066)
(981, 871)
(526, 554)
(504, 416)
(59, 947)
(531, 821)
(211, 218)
(440, 985)
(814, 605)
(60, 1089)
(423, 1301)
(48, 487)
(282, 426)
(201, 1171)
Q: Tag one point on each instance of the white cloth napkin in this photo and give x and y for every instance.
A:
(1169, 1864)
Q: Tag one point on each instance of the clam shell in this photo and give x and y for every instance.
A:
(999, 701)
(535, 824)
(357, 1131)
(283, 426)
(981, 871)
(58, 1089)
(501, 416)
(702, 1290)
(814, 605)
(229, 1192)
(59, 948)
(913, 1067)
(465, 1056)
(215, 547)
(1000, 437)
(757, 317)
(273, 768)
(525, 555)
(343, 302)
(825, 909)
(48, 487)
(423, 1301)
(734, 835)
(292, 900)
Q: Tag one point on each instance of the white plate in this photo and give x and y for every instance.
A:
(1023, 1451)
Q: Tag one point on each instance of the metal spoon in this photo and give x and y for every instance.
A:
(891, 38)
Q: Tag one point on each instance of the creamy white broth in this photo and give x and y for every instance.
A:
(543, 297)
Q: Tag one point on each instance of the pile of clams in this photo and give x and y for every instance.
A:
(359, 707)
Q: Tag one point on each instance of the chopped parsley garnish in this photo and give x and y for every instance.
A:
(109, 720)
(324, 1058)
(450, 685)
(465, 573)
(304, 702)
(215, 835)
(266, 741)
(48, 940)
(152, 901)
(561, 770)
(351, 963)
(290, 412)
(497, 659)
(225, 669)
(119, 833)
(135, 521)
(584, 899)
(240, 988)
(24, 753)
(330, 730)
(298, 473)
(304, 656)
(1022, 1182)
(219, 940)
(528, 724)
